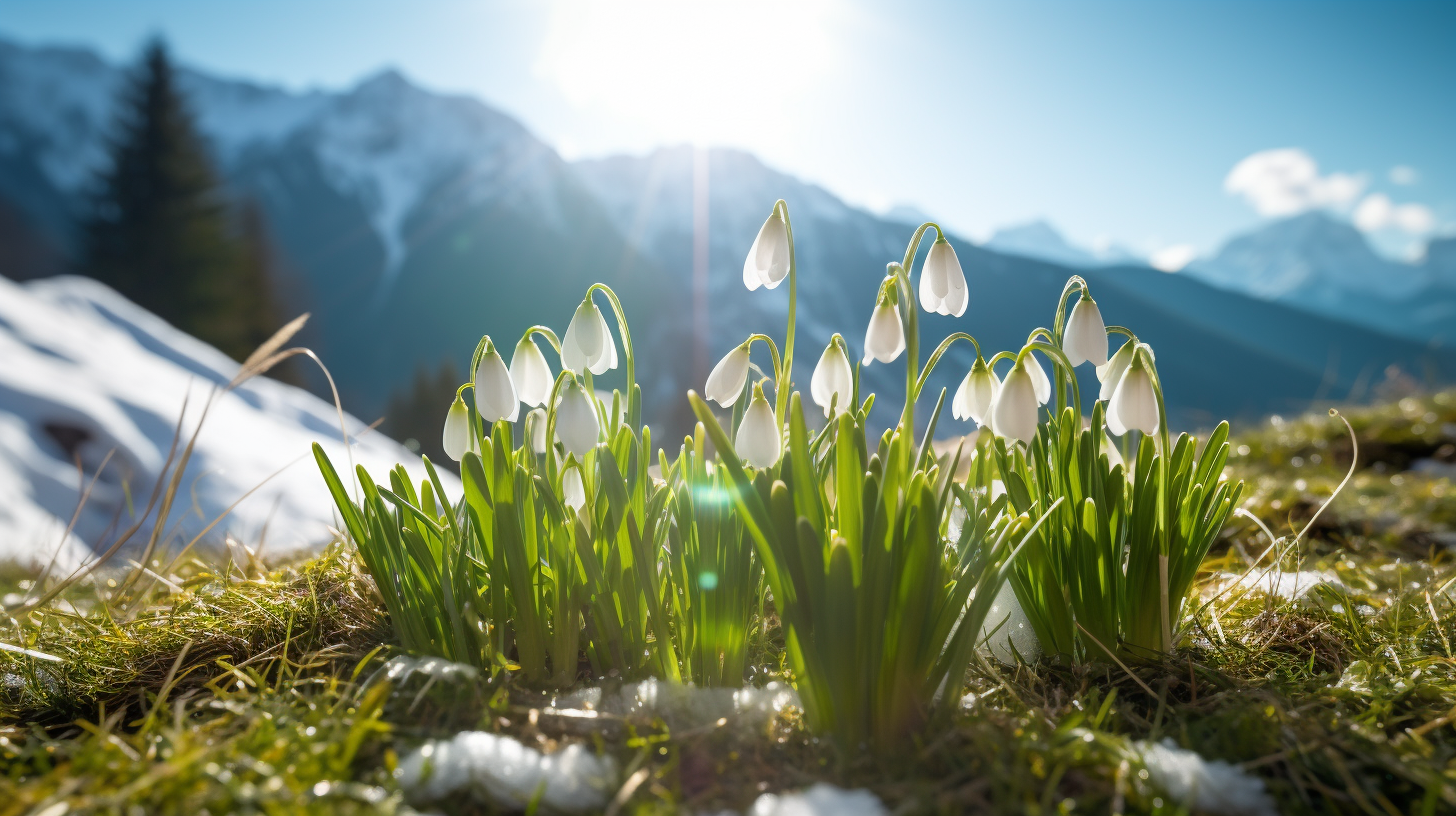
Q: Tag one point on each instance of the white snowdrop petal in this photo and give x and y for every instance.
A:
(586, 329)
(885, 336)
(767, 263)
(833, 380)
(495, 394)
(576, 421)
(1014, 412)
(456, 440)
(1134, 401)
(531, 373)
(1085, 338)
(981, 394)
(573, 493)
(726, 380)
(959, 405)
(1039, 379)
(1111, 372)
(758, 440)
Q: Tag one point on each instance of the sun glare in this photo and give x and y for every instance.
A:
(702, 72)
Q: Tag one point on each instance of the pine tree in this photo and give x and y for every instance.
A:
(161, 232)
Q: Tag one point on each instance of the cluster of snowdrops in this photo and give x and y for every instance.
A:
(570, 556)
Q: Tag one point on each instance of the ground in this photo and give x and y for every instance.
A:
(228, 689)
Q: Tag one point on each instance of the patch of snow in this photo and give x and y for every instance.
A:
(822, 799)
(685, 706)
(1214, 787)
(1289, 586)
(84, 372)
(501, 770)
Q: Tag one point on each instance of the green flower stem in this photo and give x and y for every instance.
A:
(935, 358)
(1122, 331)
(910, 316)
(786, 374)
(626, 335)
(546, 333)
(551, 419)
(1163, 495)
(998, 357)
(1074, 284)
(780, 385)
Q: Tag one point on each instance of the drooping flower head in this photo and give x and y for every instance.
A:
(1085, 338)
(495, 394)
(976, 394)
(576, 420)
(458, 439)
(531, 373)
(1015, 409)
(768, 259)
(759, 440)
(726, 380)
(1038, 379)
(885, 336)
(588, 344)
(1110, 373)
(573, 492)
(942, 283)
(833, 380)
(1134, 405)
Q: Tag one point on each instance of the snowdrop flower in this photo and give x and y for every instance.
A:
(833, 380)
(1014, 412)
(1110, 373)
(885, 336)
(1038, 379)
(457, 440)
(576, 420)
(536, 424)
(531, 373)
(759, 440)
(1085, 339)
(768, 259)
(573, 493)
(976, 394)
(942, 283)
(1134, 406)
(727, 378)
(588, 344)
(495, 394)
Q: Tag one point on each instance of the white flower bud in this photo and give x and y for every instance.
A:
(531, 373)
(768, 259)
(588, 345)
(1085, 338)
(458, 439)
(976, 394)
(885, 336)
(725, 382)
(833, 380)
(1134, 405)
(495, 394)
(576, 420)
(942, 283)
(759, 440)
(573, 492)
(1014, 413)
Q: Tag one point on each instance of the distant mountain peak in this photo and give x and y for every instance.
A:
(1041, 241)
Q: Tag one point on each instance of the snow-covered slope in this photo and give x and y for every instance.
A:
(86, 374)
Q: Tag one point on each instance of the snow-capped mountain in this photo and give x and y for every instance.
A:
(1042, 241)
(87, 377)
(1315, 262)
(411, 223)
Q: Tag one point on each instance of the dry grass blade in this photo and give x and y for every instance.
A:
(262, 357)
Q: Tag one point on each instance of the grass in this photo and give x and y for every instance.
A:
(226, 692)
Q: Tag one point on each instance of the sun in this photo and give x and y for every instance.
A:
(695, 71)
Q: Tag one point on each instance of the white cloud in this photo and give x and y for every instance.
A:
(1287, 181)
(1376, 212)
(1173, 258)
(1404, 175)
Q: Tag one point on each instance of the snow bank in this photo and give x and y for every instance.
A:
(1206, 787)
(684, 707)
(84, 372)
(501, 770)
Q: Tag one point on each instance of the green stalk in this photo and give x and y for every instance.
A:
(634, 407)
(784, 383)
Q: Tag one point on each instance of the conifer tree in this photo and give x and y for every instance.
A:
(161, 232)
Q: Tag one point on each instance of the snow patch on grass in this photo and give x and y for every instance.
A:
(820, 800)
(684, 706)
(1207, 787)
(501, 770)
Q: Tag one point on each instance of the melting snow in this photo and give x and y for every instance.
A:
(501, 770)
(1208, 787)
(821, 800)
(83, 371)
(1277, 583)
(682, 706)
(1009, 631)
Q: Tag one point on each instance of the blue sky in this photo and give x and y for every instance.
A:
(1120, 122)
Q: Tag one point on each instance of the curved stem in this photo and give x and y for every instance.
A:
(1062, 362)
(1074, 284)
(998, 357)
(911, 318)
(1122, 331)
(551, 415)
(784, 384)
(622, 329)
(547, 333)
(779, 385)
(935, 357)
